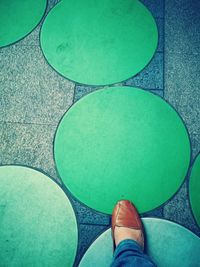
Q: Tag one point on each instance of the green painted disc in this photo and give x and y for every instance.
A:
(122, 143)
(37, 223)
(195, 189)
(99, 42)
(168, 245)
(18, 18)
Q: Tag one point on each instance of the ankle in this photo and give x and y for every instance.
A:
(124, 233)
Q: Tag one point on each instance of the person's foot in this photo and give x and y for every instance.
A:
(126, 223)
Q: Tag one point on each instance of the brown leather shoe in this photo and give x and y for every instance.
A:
(126, 215)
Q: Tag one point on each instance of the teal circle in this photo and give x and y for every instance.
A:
(37, 223)
(18, 18)
(168, 245)
(99, 42)
(122, 143)
(194, 189)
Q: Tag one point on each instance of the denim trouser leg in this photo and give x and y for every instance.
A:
(129, 254)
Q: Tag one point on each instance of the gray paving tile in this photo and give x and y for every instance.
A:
(155, 6)
(154, 213)
(178, 210)
(195, 143)
(31, 91)
(89, 216)
(182, 90)
(30, 145)
(51, 4)
(151, 77)
(2, 105)
(182, 26)
(87, 235)
(182, 87)
(2, 144)
(160, 25)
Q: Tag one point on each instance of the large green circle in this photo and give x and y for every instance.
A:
(168, 245)
(37, 223)
(195, 189)
(99, 42)
(122, 142)
(18, 18)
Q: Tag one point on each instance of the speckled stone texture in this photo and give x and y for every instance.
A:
(178, 210)
(152, 75)
(156, 213)
(89, 216)
(182, 88)
(32, 101)
(155, 6)
(28, 144)
(31, 91)
(182, 26)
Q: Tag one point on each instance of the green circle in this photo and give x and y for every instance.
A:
(194, 188)
(37, 226)
(168, 245)
(99, 42)
(122, 143)
(18, 18)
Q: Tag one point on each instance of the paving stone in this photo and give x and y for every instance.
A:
(2, 105)
(182, 90)
(31, 91)
(90, 216)
(51, 4)
(30, 145)
(160, 25)
(182, 26)
(178, 210)
(155, 6)
(154, 213)
(2, 144)
(151, 77)
(182, 84)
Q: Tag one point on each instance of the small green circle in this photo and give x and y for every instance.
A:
(99, 42)
(37, 223)
(168, 244)
(122, 143)
(18, 18)
(194, 188)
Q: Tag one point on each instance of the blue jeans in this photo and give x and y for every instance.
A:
(129, 254)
